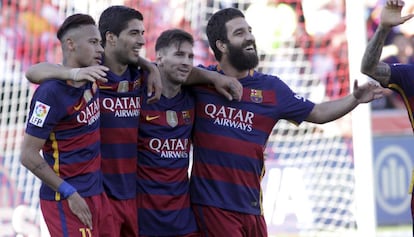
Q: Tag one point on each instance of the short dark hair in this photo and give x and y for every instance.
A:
(173, 36)
(216, 27)
(115, 19)
(74, 21)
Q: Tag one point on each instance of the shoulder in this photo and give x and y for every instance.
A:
(51, 86)
(268, 80)
(209, 67)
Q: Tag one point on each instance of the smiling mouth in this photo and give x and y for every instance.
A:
(136, 51)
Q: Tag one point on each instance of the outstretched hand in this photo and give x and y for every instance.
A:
(229, 87)
(367, 92)
(91, 73)
(391, 14)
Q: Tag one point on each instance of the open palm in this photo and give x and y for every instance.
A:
(391, 14)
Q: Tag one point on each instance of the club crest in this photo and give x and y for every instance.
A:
(256, 96)
(186, 116)
(137, 84)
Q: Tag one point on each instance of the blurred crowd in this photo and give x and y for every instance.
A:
(315, 27)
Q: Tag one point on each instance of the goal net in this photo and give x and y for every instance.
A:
(309, 183)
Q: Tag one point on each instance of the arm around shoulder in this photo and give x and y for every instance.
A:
(228, 86)
(40, 72)
(43, 71)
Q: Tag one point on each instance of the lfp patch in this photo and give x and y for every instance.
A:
(39, 114)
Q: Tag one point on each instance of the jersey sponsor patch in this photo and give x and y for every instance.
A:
(123, 86)
(172, 118)
(39, 114)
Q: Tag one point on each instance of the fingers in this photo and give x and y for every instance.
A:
(154, 93)
(226, 94)
(378, 93)
(396, 3)
(80, 209)
(85, 217)
(408, 17)
(92, 73)
(154, 86)
(355, 84)
(236, 91)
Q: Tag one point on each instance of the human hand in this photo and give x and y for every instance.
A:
(91, 73)
(368, 92)
(154, 85)
(229, 87)
(80, 209)
(391, 14)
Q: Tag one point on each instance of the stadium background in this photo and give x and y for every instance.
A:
(310, 188)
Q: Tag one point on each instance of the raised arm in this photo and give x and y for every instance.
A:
(32, 160)
(370, 65)
(37, 73)
(228, 86)
(331, 110)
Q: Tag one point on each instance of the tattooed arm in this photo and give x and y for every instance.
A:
(32, 160)
(370, 65)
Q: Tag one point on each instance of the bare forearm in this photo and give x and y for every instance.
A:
(31, 159)
(201, 76)
(43, 71)
(145, 64)
(38, 166)
(332, 110)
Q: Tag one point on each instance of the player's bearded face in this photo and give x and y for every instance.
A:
(243, 57)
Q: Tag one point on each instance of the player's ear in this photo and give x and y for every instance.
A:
(159, 58)
(110, 38)
(70, 44)
(221, 46)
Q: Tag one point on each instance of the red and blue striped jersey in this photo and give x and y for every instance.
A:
(163, 160)
(230, 136)
(120, 108)
(68, 119)
(402, 81)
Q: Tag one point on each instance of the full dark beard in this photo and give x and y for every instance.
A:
(241, 60)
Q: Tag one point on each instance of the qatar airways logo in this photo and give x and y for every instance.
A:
(122, 107)
(170, 148)
(90, 114)
(230, 117)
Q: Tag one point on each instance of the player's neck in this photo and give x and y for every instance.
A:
(230, 70)
(169, 89)
(113, 65)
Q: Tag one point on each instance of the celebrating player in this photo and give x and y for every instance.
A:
(230, 137)
(164, 144)
(398, 77)
(64, 124)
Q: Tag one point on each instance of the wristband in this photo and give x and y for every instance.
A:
(74, 73)
(65, 189)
